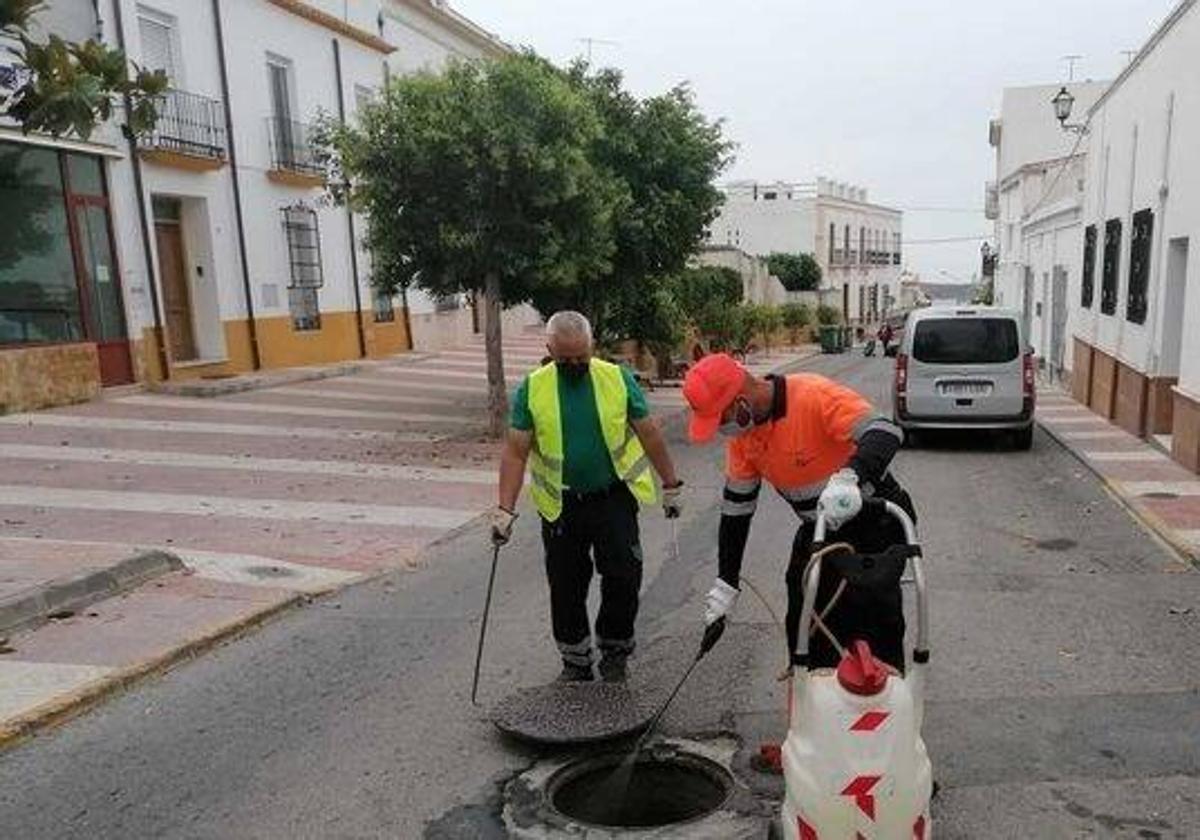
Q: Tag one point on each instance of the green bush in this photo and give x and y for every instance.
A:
(828, 315)
(796, 316)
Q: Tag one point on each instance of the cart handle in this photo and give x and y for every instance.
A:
(808, 608)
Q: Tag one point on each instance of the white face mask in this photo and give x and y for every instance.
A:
(742, 422)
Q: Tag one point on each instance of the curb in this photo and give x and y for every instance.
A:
(1147, 519)
(68, 706)
(31, 608)
(241, 384)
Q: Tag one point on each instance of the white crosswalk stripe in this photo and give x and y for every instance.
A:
(190, 460)
(285, 408)
(83, 421)
(197, 505)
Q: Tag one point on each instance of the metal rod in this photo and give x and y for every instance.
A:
(487, 607)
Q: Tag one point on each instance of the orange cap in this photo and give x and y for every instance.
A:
(709, 388)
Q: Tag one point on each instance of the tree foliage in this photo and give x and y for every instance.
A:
(71, 87)
(828, 315)
(480, 178)
(797, 272)
(795, 316)
(663, 156)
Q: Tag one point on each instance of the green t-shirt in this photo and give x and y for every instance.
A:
(587, 465)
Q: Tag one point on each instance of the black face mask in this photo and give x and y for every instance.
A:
(573, 370)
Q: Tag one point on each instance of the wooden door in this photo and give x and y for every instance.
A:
(177, 298)
(104, 313)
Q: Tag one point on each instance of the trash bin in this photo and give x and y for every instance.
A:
(831, 338)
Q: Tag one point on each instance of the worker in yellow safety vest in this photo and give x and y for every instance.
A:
(583, 427)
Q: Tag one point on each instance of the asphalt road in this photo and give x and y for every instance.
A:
(1065, 691)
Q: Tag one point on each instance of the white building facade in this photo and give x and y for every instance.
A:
(1137, 314)
(1035, 201)
(856, 243)
(206, 248)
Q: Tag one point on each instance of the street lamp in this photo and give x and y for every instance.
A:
(1064, 103)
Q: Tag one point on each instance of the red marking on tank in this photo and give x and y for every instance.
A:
(807, 832)
(860, 788)
(869, 722)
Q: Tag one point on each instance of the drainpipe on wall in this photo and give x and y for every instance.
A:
(139, 185)
(408, 333)
(1153, 357)
(358, 314)
(255, 356)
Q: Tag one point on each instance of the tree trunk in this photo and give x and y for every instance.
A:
(497, 391)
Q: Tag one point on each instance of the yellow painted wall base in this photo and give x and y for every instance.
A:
(281, 346)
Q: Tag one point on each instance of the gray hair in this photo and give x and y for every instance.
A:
(569, 324)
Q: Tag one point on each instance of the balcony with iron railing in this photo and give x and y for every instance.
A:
(189, 132)
(293, 154)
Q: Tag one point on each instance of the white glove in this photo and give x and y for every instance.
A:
(719, 601)
(841, 500)
(672, 501)
(501, 521)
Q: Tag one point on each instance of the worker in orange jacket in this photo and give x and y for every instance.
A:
(822, 447)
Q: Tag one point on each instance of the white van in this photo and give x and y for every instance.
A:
(965, 368)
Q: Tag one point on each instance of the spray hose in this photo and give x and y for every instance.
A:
(821, 614)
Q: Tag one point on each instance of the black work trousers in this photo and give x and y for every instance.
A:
(604, 524)
(874, 615)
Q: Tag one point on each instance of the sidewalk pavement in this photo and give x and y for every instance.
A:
(1162, 494)
(268, 496)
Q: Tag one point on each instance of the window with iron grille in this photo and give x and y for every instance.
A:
(833, 260)
(305, 307)
(385, 311)
(304, 260)
(1089, 267)
(1139, 265)
(1112, 267)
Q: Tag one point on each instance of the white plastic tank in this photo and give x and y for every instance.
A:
(854, 762)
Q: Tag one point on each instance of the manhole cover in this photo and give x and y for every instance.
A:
(654, 791)
(573, 713)
(1057, 544)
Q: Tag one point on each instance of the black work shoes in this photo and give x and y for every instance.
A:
(575, 673)
(612, 669)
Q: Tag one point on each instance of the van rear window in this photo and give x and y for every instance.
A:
(966, 341)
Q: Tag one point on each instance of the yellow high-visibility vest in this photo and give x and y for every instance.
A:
(546, 460)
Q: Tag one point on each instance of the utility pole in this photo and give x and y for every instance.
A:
(591, 42)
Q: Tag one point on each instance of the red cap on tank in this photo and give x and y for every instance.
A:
(860, 672)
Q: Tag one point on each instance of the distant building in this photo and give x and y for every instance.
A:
(758, 285)
(856, 243)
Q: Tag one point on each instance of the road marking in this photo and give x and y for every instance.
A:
(363, 396)
(26, 685)
(284, 408)
(1141, 455)
(255, 570)
(452, 374)
(213, 506)
(1094, 435)
(189, 460)
(96, 422)
(1190, 537)
(479, 389)
(1175, 488)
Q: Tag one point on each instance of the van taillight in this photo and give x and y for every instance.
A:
(901, 383)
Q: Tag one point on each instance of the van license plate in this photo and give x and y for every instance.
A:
(965, 389)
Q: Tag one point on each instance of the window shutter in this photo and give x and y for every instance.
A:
(157, 49)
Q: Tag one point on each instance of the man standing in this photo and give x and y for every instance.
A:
(821, 446)
(587, 426)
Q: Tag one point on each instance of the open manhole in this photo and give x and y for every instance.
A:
(655, 791)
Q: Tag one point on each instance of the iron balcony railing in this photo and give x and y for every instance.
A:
(189, 124)
(292, 146)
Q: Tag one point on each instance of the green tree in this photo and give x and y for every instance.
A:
(828, 315)
(480, 179)
(797, 272)
(664, 155)
(768, 320)
(703, 288)
(796, 316)
(71, 87)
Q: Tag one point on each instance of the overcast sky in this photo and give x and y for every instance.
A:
(894, 96)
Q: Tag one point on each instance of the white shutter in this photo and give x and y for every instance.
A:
(158, 48)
